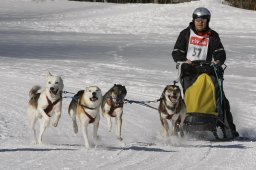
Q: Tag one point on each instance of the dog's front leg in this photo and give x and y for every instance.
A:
(72, 114)
(43, 125)
(182, 119)
(96, 127)
(119, 126)
(109, 122)
(57, 116)
(32, 121)
(44, 122)
(34, 140)
(174, 124)
(84, 126)
(165, 127)
(105, 112)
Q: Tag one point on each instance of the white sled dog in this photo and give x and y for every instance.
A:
(42, 105)
(112, 106)
(85, 106)
(172, 107)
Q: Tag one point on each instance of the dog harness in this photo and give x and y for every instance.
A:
(50, 106)
(175, 109)
(92, 119)
(112, 107)
(80, 105)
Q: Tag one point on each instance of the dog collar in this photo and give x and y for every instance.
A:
(79, 103)
(84, 106)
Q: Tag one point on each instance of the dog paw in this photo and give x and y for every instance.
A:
(87, 147)
(182, 134)
(34, 142)
(165, 135)
(40, 142)
(174, 134)
(97, 138)
(55, 124)
(119, 138)
(75, 128)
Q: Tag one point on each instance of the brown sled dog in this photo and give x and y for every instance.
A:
(172, 107)
(112, 107)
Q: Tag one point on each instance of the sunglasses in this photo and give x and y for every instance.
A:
(200, 20)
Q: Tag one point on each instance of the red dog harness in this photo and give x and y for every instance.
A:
(92, 119)
(112, 107)
(50, 106)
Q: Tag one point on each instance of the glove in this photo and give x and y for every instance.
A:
(217, 62)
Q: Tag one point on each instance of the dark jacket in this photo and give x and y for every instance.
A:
(215, 47)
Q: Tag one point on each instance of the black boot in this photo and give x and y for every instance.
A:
(235, 134)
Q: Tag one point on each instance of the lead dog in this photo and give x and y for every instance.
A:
(85, 106)
(112, 107)
(172, 107)
(42, 105)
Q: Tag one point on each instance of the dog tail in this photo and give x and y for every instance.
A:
(33, 91)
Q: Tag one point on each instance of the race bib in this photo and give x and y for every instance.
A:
(198, 47)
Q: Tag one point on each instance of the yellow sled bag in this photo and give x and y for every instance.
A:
(200, 96)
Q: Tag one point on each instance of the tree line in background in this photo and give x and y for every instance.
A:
(138, 1)
(245, 4)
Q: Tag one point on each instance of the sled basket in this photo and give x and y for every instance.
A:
(200, 96)
(200, 122)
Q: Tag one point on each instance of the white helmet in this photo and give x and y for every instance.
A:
(202, 12)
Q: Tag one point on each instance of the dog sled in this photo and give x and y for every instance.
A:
(204, 97)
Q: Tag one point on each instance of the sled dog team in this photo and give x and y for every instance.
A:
(87, 104)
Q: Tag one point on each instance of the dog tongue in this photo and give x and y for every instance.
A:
(173, 98)
(53, 93)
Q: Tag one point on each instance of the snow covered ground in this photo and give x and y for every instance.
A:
(102, 44)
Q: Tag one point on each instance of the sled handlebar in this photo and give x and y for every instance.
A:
(202, 63)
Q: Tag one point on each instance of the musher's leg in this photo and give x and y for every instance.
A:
(230, 119)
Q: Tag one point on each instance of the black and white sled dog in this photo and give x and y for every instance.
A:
(42, 105)
(85, 106)
(172, 107)
(112, 107)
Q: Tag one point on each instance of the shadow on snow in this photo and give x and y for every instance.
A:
(33, 149)
(139, 148)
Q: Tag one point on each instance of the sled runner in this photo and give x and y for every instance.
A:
(203, 97)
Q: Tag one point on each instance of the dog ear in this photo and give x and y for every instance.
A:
(61, 81)
(162, 94)
(164, 90)
(124, 90)
(98, 88)
(49, 74)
